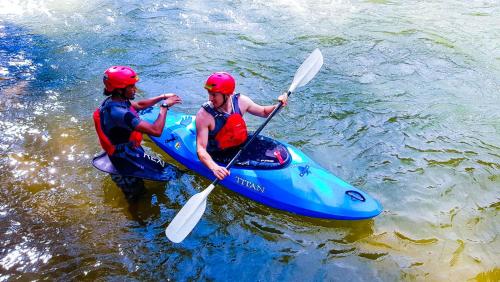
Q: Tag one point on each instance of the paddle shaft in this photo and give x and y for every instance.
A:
(235, 158)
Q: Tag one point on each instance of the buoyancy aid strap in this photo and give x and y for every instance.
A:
(106, 144)
(135, 136)
(235, 105)
(211, 110)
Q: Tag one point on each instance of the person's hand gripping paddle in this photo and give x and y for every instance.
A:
(190, 214)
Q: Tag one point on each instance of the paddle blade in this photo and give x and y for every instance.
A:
(187, 218)
(307, 70)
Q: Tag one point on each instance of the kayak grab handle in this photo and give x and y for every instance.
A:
(277, 154)
(355, 195)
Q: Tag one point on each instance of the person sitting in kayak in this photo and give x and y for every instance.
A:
(120, 130)
(220, 128)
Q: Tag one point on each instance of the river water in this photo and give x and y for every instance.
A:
(406, 107)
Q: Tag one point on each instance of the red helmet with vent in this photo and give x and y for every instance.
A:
(220, 82)
(119, 77)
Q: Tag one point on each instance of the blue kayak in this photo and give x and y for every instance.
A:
(281, 177)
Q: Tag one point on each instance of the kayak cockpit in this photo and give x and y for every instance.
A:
(263, 153)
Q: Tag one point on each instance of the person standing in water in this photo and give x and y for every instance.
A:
(120, 130)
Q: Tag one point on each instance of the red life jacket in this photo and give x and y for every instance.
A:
(135, 137)
(230, 129)
(233, 133)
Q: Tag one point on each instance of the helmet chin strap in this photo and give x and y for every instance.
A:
(225, 100)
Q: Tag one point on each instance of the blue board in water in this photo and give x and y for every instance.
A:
(300, 186)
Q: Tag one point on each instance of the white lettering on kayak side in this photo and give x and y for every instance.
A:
(250, 185)
(156, 160)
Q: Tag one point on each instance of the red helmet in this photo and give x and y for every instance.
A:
(119, 77)
(220, 82)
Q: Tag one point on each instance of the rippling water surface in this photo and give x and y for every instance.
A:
(406, 107)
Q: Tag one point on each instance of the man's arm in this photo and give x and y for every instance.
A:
(202, 129)
(156, 128)
(143, 104)
(247, 105)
